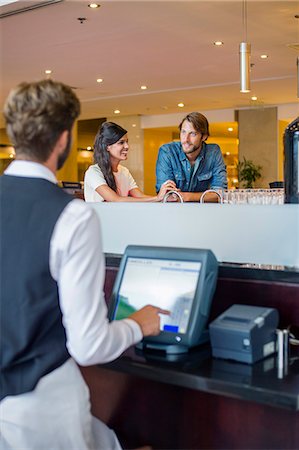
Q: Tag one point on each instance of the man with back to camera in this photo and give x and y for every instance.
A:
(53, 311)
(191, 164)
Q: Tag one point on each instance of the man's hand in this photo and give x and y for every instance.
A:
(148, 319)
(168, 185)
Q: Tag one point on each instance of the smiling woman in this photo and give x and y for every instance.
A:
(109, 181)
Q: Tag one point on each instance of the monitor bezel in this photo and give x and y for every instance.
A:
(199, 312)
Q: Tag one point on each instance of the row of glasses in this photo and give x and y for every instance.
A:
(253, 196)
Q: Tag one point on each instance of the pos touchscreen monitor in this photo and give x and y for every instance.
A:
(180, 280)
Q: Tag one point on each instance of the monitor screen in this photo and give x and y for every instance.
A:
(180, 280)
(171, 284)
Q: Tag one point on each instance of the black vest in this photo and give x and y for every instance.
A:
(33, 341)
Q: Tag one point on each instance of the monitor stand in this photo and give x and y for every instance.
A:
(170, 349)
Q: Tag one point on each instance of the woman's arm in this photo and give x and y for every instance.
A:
(135, 195)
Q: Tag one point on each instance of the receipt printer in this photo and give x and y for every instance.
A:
(244, 333)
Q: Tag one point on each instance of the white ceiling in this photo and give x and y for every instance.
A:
(166, 45)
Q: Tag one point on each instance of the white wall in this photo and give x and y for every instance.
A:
(287, 111)
(170, 120)
(235, 233)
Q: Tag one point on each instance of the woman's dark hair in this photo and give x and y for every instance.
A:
(109, 133)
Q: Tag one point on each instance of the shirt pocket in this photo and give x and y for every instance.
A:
(204, 181)
(205, 176)
(180, 180)
(179, 176)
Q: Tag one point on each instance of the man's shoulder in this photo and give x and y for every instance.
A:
(212, 148)
(171, 147)
(78, 211)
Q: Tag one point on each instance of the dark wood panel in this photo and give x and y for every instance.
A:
(283, 296)
(170, 417)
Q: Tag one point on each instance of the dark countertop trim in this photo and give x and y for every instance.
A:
(278, 274)
(253, 383)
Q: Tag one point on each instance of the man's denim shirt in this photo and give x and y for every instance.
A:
(209, 171)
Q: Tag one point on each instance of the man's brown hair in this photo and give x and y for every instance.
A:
(199, 122)
(36, 114)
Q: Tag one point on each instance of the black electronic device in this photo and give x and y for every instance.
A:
(180, 280)
(244, 333)
(291, 162)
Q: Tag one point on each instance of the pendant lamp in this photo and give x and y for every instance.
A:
(244, 55)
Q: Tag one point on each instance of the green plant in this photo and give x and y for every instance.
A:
(248, 173)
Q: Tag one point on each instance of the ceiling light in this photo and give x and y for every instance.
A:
(218, 43)
(181, 105)
(254, 97)
(227, 153)
(264, 56)
(245, 52)
(116, 111)
(88, 147)
(93, 5)
(48, 72)
(143, 87)
(99, 80)
(134, 125)
(230, 129)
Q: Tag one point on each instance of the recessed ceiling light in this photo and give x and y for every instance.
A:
(254, 97)
(218, 43)
(143, 87)
(264, 56)
(134, 125)
(94, 5)
(116, 111)
(48, 72)
(99, 80)
(181, 105)
(230, 129)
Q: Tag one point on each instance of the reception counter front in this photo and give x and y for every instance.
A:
(194, 401)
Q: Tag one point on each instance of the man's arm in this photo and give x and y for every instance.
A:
(219, 178)
(210, 197)
(164, 171)
(77, 264)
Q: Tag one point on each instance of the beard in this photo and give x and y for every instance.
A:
(192, 149)
(63, 156)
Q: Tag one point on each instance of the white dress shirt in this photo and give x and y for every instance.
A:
(77, 264)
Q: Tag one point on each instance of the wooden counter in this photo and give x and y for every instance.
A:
(199, 402)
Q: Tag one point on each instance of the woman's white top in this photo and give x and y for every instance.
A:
(94, 178)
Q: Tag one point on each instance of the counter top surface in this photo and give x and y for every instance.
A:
(261, 382)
